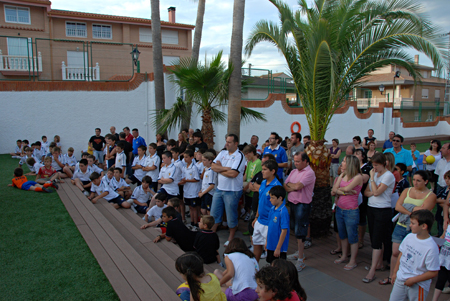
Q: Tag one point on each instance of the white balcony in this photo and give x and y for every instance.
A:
(364, 103)
(20, 65)
(80, 73)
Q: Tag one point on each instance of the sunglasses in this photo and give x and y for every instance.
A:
(396, 141)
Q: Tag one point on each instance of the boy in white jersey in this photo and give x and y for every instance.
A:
(18, 150)
(102, 190)
(141, 196)
(155, 212)
(92, 167)
(70, 161)
(81, 177)
(191, 181)
(38, 152)
(35, 166)
(58, 161)
(418, 261)
(209, 181)
(45, 144)
(121, 159)
(28, 154)
(139, 163)
(109, 176)
(152, 165)
(120, 185)
(167, 178)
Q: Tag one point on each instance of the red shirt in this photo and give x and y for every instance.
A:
(46, 172)
(129, 138)
(293, 298)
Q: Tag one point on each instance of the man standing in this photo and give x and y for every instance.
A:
(128, 152)
(128, 136)
(113, 132)
(401, 155)
(278, 152)
(442, 167)
(230, 166)
(296, 147)
(368, 139)
(137, 141)
(388, 143)
(299, 186)
(98, 143)
(254, 141)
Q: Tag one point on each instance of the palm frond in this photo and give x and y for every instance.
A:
(168, 119)
(249, 115)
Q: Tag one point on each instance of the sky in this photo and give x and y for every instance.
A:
(218, 20)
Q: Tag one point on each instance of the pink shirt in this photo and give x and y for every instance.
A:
(307, 177)
(349, 201)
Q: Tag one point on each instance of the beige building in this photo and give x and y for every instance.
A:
(48, 44)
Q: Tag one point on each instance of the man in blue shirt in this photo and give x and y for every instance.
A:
(278, 152)
(401, 155)
(388, 143)
(137, 141)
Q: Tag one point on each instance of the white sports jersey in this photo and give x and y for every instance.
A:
(191, 189)
(140, 195)
(95, 168)
(107, 180)
(179, 165)
(118, 184)
(23, 161)
(84, 177)
(36, 167)
(55, 165)
(209, 177)
(71, 161)
(169, 172)
(38, 154)
(44, 146)
(139, 173)
(103, 187)
(236, 161)
(18, 149)
(121, 161)
(153, 161)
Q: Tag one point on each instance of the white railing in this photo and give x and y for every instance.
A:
(364, 103)
(20, 63)
(80, 73)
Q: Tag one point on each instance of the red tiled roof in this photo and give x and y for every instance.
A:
(21, 28)
(43, 2)
(67, 13)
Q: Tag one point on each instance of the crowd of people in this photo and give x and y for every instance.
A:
(190, 191)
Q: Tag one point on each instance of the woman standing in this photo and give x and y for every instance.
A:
(365, 171)
(379, 213)
(160, 145)
(435, 151)
(335, 153)
(347, 189)
(182, 143)
(371, 151)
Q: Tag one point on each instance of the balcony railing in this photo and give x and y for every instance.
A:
(80, 73)
(365, 103)
(20, 63)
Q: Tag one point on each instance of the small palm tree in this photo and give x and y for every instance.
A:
(206, 89)
(329, 48)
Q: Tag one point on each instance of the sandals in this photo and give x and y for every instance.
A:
(350, 267)
(367, 268)
(340, 260)
(385, 281)
(360, 245)
(335, 252)
(369, 280)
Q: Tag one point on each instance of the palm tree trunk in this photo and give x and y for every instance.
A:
(234, 90)
(195, 52)
(320, 217)
(207, 128)
(158, 69)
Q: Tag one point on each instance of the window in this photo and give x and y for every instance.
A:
(367, 93)
(437, 95)
(18, 47)
(416, 116)
(425, 74)
(169, 36)
(15, 14)
(145, 35)
(101, 31)
(171, 60)
(74, 29)
(425, 93)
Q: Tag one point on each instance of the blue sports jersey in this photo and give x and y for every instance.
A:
(280, 156)
(264, 201)
(278, 220)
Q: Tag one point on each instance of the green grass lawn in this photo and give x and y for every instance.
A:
(43, 256)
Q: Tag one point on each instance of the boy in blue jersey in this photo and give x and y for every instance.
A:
(261, 221)
(278, 232)
(279, 153)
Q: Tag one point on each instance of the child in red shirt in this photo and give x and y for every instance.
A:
(47, 172)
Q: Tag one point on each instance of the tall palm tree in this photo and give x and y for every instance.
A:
(208, 93)
(329, 48)
(158, 68)
(195, 51)
(236, 59)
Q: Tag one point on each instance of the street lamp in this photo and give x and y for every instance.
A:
(396, 75)
(381, 88)
(135, 57)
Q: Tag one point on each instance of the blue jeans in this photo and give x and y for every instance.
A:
(99, 156)
(228, 200)
(399, 234)
(347, 221)
(300, 214)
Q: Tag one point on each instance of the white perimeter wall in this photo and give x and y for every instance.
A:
(74, 115)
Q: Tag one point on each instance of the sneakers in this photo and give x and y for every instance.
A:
(56, 186)
(134, 209)
(300, 265)
(308, 243)
(446, 290)
(85, 193)
(47, 190)
(247, 217)
(242, 213)
(226, 243)
(250, 248)
(294, 256)
(263, 255)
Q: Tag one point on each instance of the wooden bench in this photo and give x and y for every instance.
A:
(137, 267)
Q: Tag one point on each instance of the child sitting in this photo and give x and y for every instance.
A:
(207, 242)
(288, 269)
(139, 163)
(45, 144)
(209, 181)
(155, 212)
(18, 150)
(174, 203)
(203, 287)
(274, 285)
(109, 176)
(28, 154)
(70, 161)
(104, 191)
(92, 167)
(20, 181)
(58, 161)
(238, 280)
(81, 177)
(38, 151)
(418, 261)
(141, 196)
(278, 231)
(176, 230)
(120, 185)
(35, 166)
(47, 172)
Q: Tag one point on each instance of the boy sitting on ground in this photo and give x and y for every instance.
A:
(47, 172)
(418, 261)
(58, 161)
(81, 177)
(28, 154)
(104, 191)
(38, 151)
(109, 176)
(155, 212)
(141, 196)
(120, 185)
(92, 166)
(70, 161)
(18, 150)
(35, 166)
(173, 202)
(20, 181)
(207, 242)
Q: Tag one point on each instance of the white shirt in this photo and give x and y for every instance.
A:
(18, 149)
(139, 173)
(71, 161)
(384, 199)
(107, 181)
(23, 161)
(103, 187)
(38, 154)
(44, 146)
(118, 184)
(95, 168)
(169, 172)
(121, 160)
(441, 168)
(36, 167)
(140, 195)
(418, 256)
(191, 189)
(155, 212)
(82, 176)
(245, 269)
(55, 165)
(237, 162)
(179, 165)
(209, 178)
(153, 161)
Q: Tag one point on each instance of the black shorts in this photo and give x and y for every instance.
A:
(140, 209)
(207, 201)
(118, 200)
(193, 202)
(85, 183)
(169, 196)
(134, 180)
(271, 257)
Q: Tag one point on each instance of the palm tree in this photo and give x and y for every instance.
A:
(195, 51)
(236, 59)
(158, 68)
(329, 48)
(208, 92)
